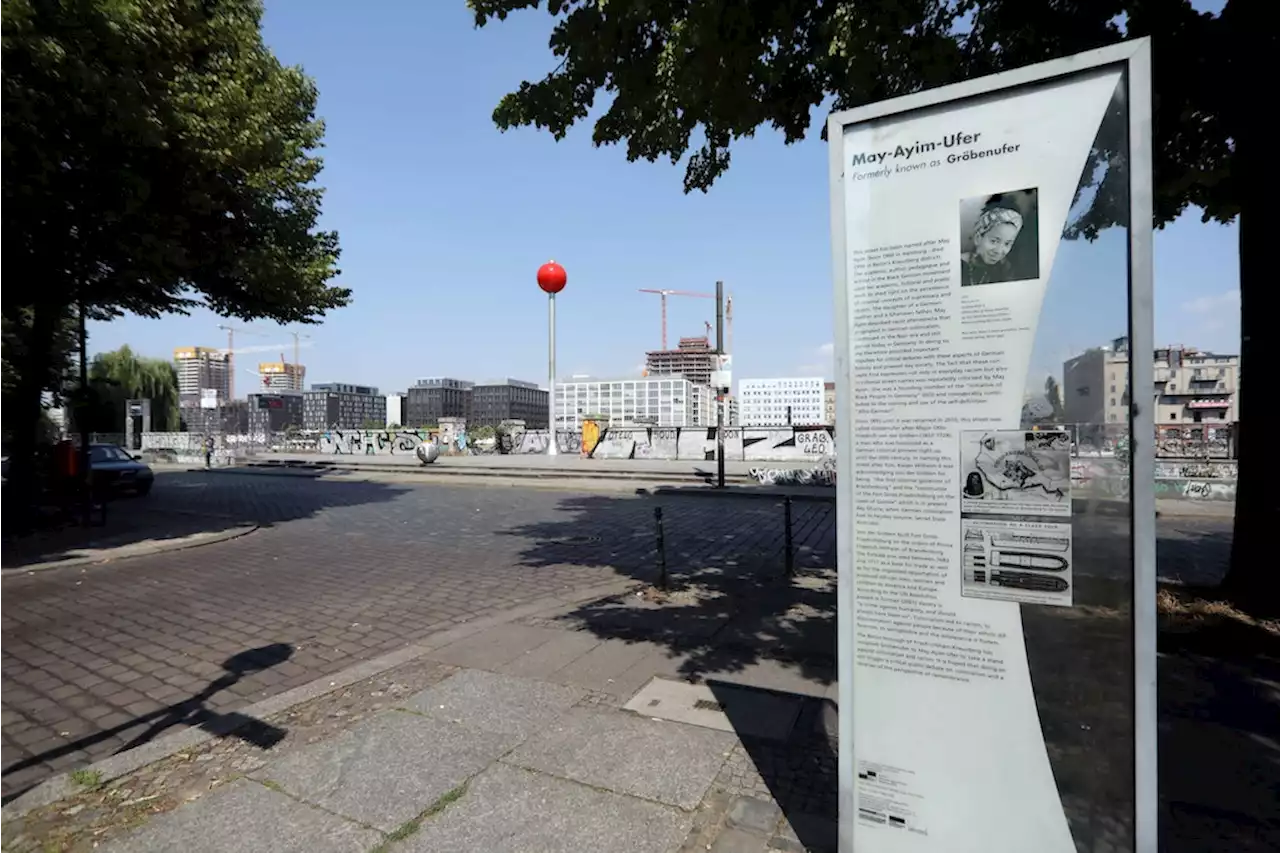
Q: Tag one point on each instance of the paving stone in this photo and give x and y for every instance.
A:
(806, 832)
(496, 703)
(753, 713)
(737, 841)
(603, 667)
(754, 815)
(245, 817)
(551, 656)
(666, 762)
(510, 810)
(494, 647)
(387, 769)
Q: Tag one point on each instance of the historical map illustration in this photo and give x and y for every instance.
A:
(1015, 472)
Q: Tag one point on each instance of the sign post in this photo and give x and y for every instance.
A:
(551, 279)
(996, 620)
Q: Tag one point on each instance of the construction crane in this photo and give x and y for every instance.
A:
(230, 353)
(664, 294)
(296, 359)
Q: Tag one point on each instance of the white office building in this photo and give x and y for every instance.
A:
(664, 401)
(791, 401)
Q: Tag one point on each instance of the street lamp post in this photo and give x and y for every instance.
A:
(551, 278)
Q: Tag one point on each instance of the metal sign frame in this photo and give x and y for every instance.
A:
(1134, 59)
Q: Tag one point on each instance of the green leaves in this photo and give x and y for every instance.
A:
(687, 78)
(157, 156)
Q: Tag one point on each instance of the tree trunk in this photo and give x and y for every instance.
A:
(34, 366)
(1253, 581)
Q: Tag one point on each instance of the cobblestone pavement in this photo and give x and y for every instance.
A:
(101, 658)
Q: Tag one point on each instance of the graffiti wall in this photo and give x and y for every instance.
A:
(822, 474)
(1197, 470)
(1196, 490)
(372, 442)
(699, 443)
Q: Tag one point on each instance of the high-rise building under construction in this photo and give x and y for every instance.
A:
(694, 359)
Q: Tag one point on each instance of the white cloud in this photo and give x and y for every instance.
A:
(822, 363)
(1215, 315)
(1220, 306)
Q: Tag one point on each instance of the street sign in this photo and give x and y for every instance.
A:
(722, 376)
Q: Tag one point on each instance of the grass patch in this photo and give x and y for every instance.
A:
(1187, 607)
(87, 778)
(272, 785)
(447, 799)
(1201, 621)
(410, 827)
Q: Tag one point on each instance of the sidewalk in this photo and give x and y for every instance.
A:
(566, 730)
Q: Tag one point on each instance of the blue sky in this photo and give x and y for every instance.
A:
(444, 221)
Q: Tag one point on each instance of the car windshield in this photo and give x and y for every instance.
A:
(108, 453)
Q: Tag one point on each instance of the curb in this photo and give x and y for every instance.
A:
(477, 471)
(587, 481)
(136, 549)
(61, 785)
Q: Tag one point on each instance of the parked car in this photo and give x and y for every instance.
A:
(114, 470)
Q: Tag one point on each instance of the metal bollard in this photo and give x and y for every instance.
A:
(662, 548)
(788, 544)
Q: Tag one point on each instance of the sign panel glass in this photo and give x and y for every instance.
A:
(987, 563)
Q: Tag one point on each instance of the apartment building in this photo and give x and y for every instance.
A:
(429, 400)
(665, 401)
(509, 399)
(275, 412)
(1191, 386)
(281, 376)
(829, 403)
(789, 401)
(337, 405)
(201, 369)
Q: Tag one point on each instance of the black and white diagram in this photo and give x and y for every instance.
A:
(1016, 560)
(1016, 472)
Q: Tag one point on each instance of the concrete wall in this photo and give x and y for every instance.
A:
(1196, 490)
(366, 442)
(693, 443)
(1197, 470)
(699, 443)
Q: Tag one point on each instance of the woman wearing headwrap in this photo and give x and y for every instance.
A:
(994, 234)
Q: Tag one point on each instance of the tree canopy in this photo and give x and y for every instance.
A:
(690, 78)
(156, 157)
(121, 375)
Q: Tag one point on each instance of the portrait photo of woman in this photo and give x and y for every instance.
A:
(999, 239)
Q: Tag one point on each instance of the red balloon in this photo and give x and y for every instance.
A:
(552, 277)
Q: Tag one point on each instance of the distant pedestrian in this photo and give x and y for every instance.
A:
(208, 452)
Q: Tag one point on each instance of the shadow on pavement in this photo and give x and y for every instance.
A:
(186, 504)
(730, 604)
(731, 609)
(192, 711)
(799, 772)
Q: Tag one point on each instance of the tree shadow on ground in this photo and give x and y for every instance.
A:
(191, 506)
(1219, 712)
(729, 603)
(193, 711)
(732, 610)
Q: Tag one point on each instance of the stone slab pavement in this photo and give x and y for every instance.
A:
(524, 736)
(98, 658)
(484, 757)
